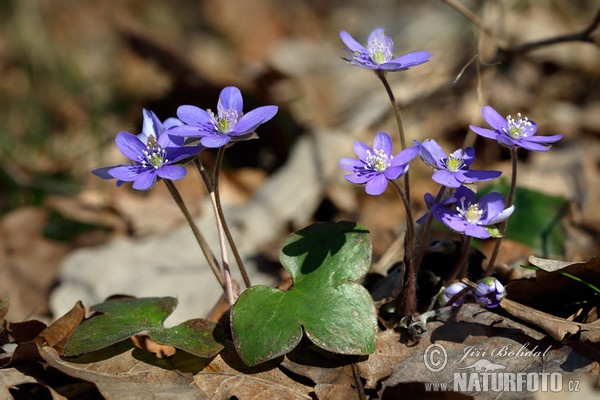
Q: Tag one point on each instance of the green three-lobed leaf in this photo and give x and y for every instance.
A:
(123, 318)
(336, 313)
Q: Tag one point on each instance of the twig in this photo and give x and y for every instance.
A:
(506, 53)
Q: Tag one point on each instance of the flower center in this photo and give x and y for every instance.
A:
(379, 51)
(453, 164)
(518, 128)
(225, 120)
(378, 160)
(154, 155)
(472, 213)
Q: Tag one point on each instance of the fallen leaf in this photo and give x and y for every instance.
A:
(123, 376)
(551, 265)
(59, 331)
(558, 328)
(228, 377)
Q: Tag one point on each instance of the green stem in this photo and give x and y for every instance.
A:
(409, 301)
(217, 205)
(427, 228)
(381, 75)
(511, 198)
(234, 249)
(208, 254)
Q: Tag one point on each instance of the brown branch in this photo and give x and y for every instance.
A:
(585, 36)
(506, 53)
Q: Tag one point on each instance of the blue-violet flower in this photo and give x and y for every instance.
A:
(513, 133)
(489, 292)
(453, 170)
(448, 293)
(153, 154)
(376, 165)
(473, 218)
(379, 53)
(229, 123)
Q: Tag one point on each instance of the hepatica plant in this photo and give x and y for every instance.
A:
(326, 304)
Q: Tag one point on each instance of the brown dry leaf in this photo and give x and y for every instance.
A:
(552, 265)
(123, 376)
(335, 378)
(379, 365)
(59, 331)
(11, 378)
(147, 344)
(558, 328)
(540, 293)
(28, 262)
(470, 334)
(229, 377)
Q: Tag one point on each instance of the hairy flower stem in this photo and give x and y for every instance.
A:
(381, 75)
(213, 190)
(208, 254)
(511, 198)
(236, 253)
(409, 300)
(461, 267)
(427, 228)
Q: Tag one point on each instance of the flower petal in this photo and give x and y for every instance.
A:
(432, 153)
(359, 178)
(394, 172)
(360, 149)
(250, 121)
(376, 34)
(445, 178)
(476, 231)
(188, 131)
(487, 133)
(151, 126)
(479, 175)
(126, 172)
(377, 185)
(544, 139)
(411, 59)
(383, 141)
(193, 115)
(493, 203)
(231, 99)
(214, 141)
(103, 172)
(406, 155)
(493, 118)
(130, 145)
(145, 180)
(351, 164)
(503, 215)
(172, 172)
(351, 43)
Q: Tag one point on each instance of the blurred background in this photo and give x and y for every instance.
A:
(75, 73)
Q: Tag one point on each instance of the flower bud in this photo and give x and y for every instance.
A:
(489, 292)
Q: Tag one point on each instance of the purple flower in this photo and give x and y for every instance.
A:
(431, 204)
(228, 124)
(379, 53)
(474, 218)
(489, 292)
(510, 132)
(453, 170)
(377, 165)
(452, 290)
(152, 152)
